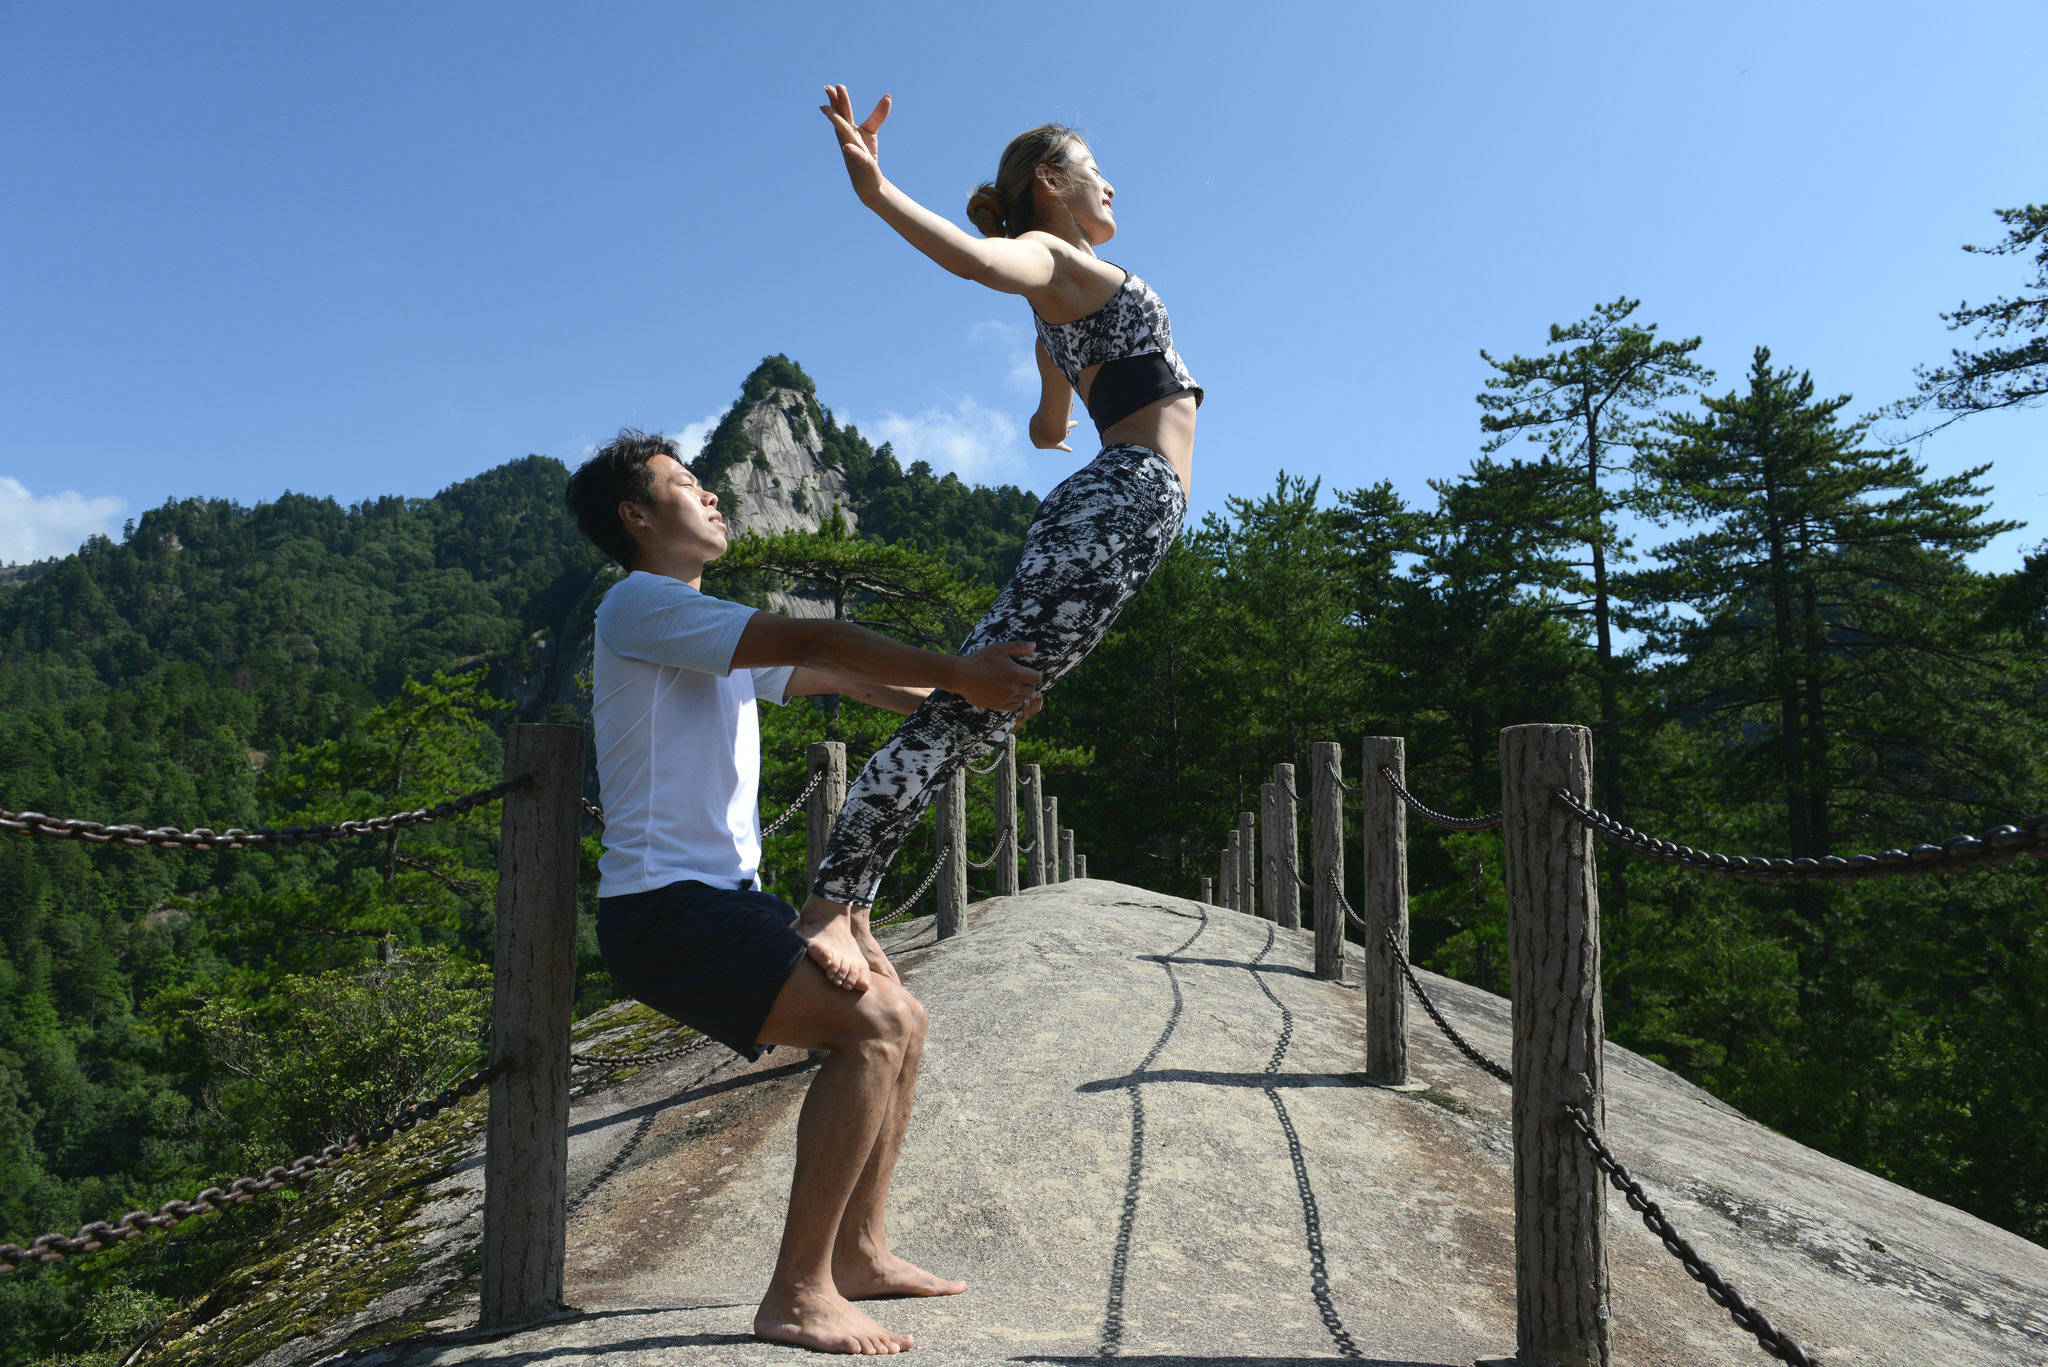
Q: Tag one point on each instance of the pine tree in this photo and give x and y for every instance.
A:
(2005, 373)
(1593, 401)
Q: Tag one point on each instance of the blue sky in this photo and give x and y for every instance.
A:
(376, 248)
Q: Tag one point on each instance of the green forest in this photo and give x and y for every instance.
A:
(1765, 614)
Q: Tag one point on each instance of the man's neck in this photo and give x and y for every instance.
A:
(691, 572)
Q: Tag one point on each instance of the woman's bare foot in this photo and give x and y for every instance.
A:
(825, 1322)
(827, 928)
(871, 948)
(889, 1275)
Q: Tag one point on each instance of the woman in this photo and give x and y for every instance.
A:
(1097, 537)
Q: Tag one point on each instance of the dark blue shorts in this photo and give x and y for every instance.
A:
(712, 958)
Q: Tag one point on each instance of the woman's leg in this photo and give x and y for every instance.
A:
(1097, 538)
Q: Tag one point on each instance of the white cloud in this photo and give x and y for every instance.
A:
(36, 527)
(972, 440)
(1014, 340)
(691, 439)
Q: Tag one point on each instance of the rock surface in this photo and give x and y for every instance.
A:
(1141, 1134)
(787, 486)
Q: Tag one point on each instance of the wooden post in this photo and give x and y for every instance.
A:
(826, 799)
(1006, 819)
(1208, 892)
(1034, 824)
(1226, 883)
(1269, 901)
(1327, 819)
(1284, 840)
(1068, 869)
(952, 843)
(1052, 841)
(1082, 860)
(526, 1145)
(1383, 903)
(1559, 1024)
(1247, 864)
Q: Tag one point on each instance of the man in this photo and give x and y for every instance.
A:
(680, 922)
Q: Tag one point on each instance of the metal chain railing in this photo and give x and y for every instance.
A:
(236, 837)
(911, 901)
(1450, 1033)
(1478, 1059)
(794, 807)
(990, 767)
(1999, 845)
(1768, 1336)
(92, 1237)
(994, 854)
(596, 813)
(1294, 868)
(579, 1060)
(1436, 818)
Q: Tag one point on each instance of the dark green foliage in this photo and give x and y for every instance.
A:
(2011, 370)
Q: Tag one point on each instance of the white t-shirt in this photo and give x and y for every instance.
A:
(678, 745)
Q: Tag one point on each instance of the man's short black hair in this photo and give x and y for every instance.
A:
(617, 472)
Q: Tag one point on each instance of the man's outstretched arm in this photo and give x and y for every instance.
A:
(990, 678)
(807, 681)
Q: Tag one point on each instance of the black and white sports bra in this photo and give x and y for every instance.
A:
(1132, 340)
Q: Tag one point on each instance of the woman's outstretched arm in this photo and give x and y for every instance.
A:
(1012, 265)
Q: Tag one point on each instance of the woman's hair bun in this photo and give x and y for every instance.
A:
(985, 210)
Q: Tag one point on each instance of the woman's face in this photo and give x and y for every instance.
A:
(1087, 195)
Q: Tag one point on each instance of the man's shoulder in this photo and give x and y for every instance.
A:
(641, 592)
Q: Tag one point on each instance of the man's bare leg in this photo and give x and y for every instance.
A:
(862, 1264)
(868, 1035)
(827, 928)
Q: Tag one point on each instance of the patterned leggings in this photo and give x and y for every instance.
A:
(1096, 540)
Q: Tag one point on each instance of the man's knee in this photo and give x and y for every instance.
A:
(890, 1019)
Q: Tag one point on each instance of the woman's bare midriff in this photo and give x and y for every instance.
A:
(1166, 425)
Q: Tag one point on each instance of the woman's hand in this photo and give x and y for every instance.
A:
(1049, 436)
(859, 142)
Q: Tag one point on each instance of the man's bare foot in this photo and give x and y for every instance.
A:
(826, 1322)
(828, 930)
(866, 1278)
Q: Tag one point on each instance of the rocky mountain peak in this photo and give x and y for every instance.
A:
(768, 457)
(785, 483)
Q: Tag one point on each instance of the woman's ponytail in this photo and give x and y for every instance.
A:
(985, 210)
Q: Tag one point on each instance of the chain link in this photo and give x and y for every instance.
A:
(911, 901)
(1999, 845)
(577, 1060)
(794, 807)
(994, 854)
(1449, 823)
(235, 837)
(1294, 868)
(1358, 922)
(596, 813)
(92, 1237)
(1471, 1052)
(990, 767)
(1751, 1320)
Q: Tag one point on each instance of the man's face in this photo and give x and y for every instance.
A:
(681, 516)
